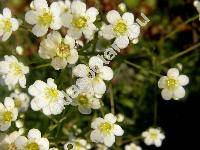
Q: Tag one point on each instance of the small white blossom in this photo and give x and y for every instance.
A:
(8, 142)
(122, 7)
(153, 136)
(13, 72)
(172, 85)
(91, 78)
(61, 50)
(8, 113)
(86, 102)
(120, 117)
(21, 100)
(132, 146)
(197, 5)
(46, 97)
(80, 20)
(122, 28)
(105, 130)
(33, 142)
(7, 24)
(19, 50)
(19, 123)
(43, 17)
(77, 144)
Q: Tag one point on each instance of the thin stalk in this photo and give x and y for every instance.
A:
(180, 54)
(143, 69)
(112, 103)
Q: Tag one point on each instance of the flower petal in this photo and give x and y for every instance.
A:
(34, 134)
(118, 131)
(95, 61)
(128, 17)
(112, 16)
(166, 94)
(107, 32)
(183, 80)
(7, 13)
(78, 7)
(110, 118)
(58, 63)
(39, 30)
(173, 72)
(31, 17)
(179, 92)
(162, 82)
(73, 57)
(40, 4)
(92, 13)
(134, 31)
(107, 73)
(80, 70)
(122, 42)
(109, 140)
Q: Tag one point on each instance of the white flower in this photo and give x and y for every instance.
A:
(33, 142)
(43, 17)
(92, 77)
(120, 117)
(13, 72)
(153, 136)
(80, 20)
(7, 24)
(21, 100)
(122, 28)
(46, 97)
(105, 130)
(132, 146)
(172, 85)
(8, 142)
(60, 50)
(197, 5)
(8, 113)
(86, 102)
(19, 50)
(77, 144)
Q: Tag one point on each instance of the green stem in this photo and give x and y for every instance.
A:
(178, 27)
(42, 66)
(143, 69)
(112, 103)
(180, 54)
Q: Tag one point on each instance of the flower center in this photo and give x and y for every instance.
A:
(18, 103)
(32, 146)
(154, 135)
(83, 100)
(52, 94)
(12, 146)
(16, 69)
(63, 50)
(120, 27)
(106, 127)
(46, 18)
(7, 25)
(79, 22)
(7, 116)
(171, 83)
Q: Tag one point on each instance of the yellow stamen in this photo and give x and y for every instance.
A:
(106, 127)
(79, 22)
(46, 18)
(171, 83)
(52, 94)
(32, 146)
(7, 116)
(120, 27)
(63, 50)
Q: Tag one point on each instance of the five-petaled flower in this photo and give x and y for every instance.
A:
(172, 85)
(105, 130)
(122, 28)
